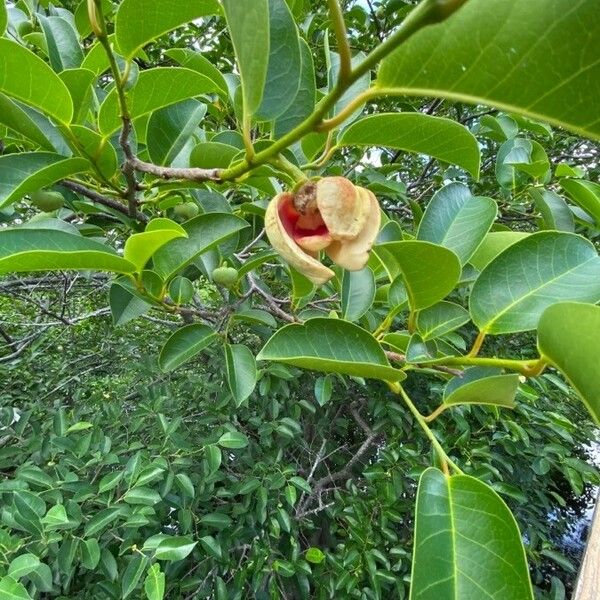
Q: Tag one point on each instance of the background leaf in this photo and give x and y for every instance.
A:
(184, 344)
(358, 293)
(241, 371)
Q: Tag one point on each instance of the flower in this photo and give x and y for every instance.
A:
(332, 215)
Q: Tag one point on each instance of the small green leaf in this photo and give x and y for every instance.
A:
(358, 293)
(97, 148)
(440, 319)
(133, 574)
(213, 457)
(554, 210)
(438, 137)
(22, 71)
(330, 346)
(138, 22)
(154, 586)
(241, 371)
(184, 344)
(101, 520)
(467, 542)
(211, 546)
(56, 517)
(174, 548)
(315, 556)
(142, 495)
(234, 440)
(569, 338)
(585, 194)
(64, 50)
(323, 389)
(125, 306)
(457, 220)
(481, 385)
(514, 289)
(216, 520)
(23, 565)
(90, 554)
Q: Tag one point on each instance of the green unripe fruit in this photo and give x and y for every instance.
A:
(47, 201)
(225, 276)
(186, 211)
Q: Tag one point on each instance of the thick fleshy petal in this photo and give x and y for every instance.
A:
(285, 245)
(342, 208)
(353, 255)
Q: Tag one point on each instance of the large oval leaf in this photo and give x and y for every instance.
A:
(28, 78)
(569, 338)
(140, 21)
(514, 289)
(524, 57)
(440, 138)
(184, 344)
(155, 88)
(25, 250)
(467, 543)
(23, 173)
(330, 346)
(430, 271)
(457, 220)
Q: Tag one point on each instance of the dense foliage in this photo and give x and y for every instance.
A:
(196, 401)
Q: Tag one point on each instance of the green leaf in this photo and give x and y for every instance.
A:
(155, 88)
(56, 517)
(216, 520)
(213, 458)
(498, 54)
(467, 543)
(437, 137)
(16, 118)
(244, 20)
(132, 574)
(29, 79)
(97, 148)
(142, 495)
(430, 272)
(26, 250)
(514, 289)
(211, 546)
(204, 233)
(212, 155)
(457, 220)
(234, 440)
(184, 344)
(101, 520)
(90, 554)
(125, 306)
(138, 22)
(358, 293)
(323, 389)
(315, 556)
(64, 50)
(12, 590)
(170, 128)
(154, 586)
(241, 371)
(518, 160)
(585, 194)
(174, 548)
(569, 338)
(493, 244)
(283, 72)
(482, 385)
(440, 319)
(3, 17)
(195, 61)
(23, 565)
(28, 172)
(303, 104)
(140, 247)
(555, 212)
(330, 346)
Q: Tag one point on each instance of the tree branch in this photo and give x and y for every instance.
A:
(190, 174)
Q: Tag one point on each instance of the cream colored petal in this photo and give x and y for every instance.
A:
(343, 210)
(283, 243)
(353, 255)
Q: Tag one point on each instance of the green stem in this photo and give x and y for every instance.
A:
(477, 344)
(529, 368)
(339, 27)
(444, 458)
(282, 163)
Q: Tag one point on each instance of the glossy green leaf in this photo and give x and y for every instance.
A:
(28, 172)
(102, 519)
(79, 83)
(140, 247)
(440, 319)
(585, 194)
(25, 250)
(56, 517)
(125, 306)
(358, 293)
(23, 565)
(21, 72)
(430, 271)
(155, 88)
(97, 149)
(63, 46)
(467, 543)
(133, 573)
(211, 546)
(569, 338)
(493, 244)
(304, 102)
(481, 385)
(437, 137)
(12, 590)
(154, 585)
(555, 212)
(184, 344)
(142, 496)
(518, 285)
(315, 556)
(204, 233)
(140, 21)
(518, 161)
(457, 220)
(233, 440)
(174, 548)
(323, 389)
(241, 371)
(16, 118)
(330, 346)
(283, 71)
(497, 53)
(197, 62)
(248, 24)
(213, 155)
(170, 128)
(90, 554)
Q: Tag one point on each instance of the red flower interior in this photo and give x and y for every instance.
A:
(299, 226)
